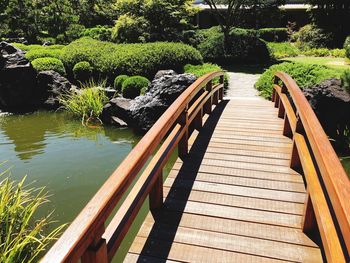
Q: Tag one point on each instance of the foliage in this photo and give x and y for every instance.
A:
(73, 32)
(152, 20)
(99, 32)
(243, 46)
(86, 103)
(306, 75)
(201, 70)
(345, 80)
(273, 34)
(283, 50)
(110, 60)
(118, 82)
(82, 71)
(133, 86)
(310, 36)
(347, 47)
(43, 53)
(43, 64)
(22, 233)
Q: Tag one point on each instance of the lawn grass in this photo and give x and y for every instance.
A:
(335, 63)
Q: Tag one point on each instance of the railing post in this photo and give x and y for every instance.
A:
(156, 193)
(97, 251)
(309, 219)
(221, 90)
(281, 110)
(198, 120)
(209, 103)
(183, 143)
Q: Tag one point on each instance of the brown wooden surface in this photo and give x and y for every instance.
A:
(234, 198)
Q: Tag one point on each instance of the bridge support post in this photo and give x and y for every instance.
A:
(198, 120)
(287, 129)
(97, 251)
(281, 110)
(221, 91)
(209, 103)
(156, 194)
(183, 143)
(309, 219)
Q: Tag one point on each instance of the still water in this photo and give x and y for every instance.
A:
(70, 160)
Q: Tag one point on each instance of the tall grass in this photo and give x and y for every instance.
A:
(22, 235)
(86, 103)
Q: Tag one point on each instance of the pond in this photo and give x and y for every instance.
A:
(70, 160)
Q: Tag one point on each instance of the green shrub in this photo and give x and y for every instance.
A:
(345, 80)
(73, 32)
(86, 103)
(43, 53)
(133, 86)
(310, 36)
(118, 82)
(27, 47)
(338, 53)
(305, 75)
(283, 50)
(82, 71)
(110, 60)
(317, 52)
(347, 47)
(201, 70)
(244, 46)
(273, 34)
(43, 64)
(102, 33)
(23, 235)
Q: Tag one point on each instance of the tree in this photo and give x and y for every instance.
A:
(333, 16)
(229, 12)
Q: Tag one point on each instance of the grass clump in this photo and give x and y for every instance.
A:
(110, 60)
(305, 75)
(22, 234)
(134, 86)
(43, 64)
(118, 82)
(82, 71)
(86, 103)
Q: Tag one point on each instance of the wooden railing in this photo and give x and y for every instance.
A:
(86, 238)
(327, 208)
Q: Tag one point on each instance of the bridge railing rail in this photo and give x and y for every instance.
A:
(327, 206)
(87, 239)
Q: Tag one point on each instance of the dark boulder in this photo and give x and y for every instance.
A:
(331, 104)
(142, 112)
(162, 73)
(52, 85)
(18, 89)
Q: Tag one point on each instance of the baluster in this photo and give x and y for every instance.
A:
(183, 143)
(198, 120)
(281, 110)
(209, 103)
(221, 90)
(97, 251)
(156, 193)
(309, 219)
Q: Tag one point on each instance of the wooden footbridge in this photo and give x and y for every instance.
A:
(255, 181)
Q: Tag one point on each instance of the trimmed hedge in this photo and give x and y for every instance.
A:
(244, 46)
(109, 59)
(306, 75)
(82, 71)
(133, 86)
(118, 82)
(43, 53)
(43, 64)
(273, 34)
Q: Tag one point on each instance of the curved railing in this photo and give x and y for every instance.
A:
(86, 238)
(327, 207)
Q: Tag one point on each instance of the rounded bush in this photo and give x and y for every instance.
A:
(43, 52)
(133, 86)
(110, 60)
(43, 64)
(82, 71)
(310, 36)
(118, 82)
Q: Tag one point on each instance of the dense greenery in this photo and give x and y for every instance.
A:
(311, 36)
(109, 60)
(347, 47)
(118, 82)
(201, 70)
(23, 235)
(87, 103)
(43, 64)
(82, 71)
(43, 53)
(345, 80)
(305, 75)
(273, 34)
(134, 86)
(99, 32)
(151, 20)
(244, 46)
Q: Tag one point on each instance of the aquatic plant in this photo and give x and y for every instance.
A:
(23, 236)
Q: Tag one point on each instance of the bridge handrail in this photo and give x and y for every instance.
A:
(335, 180)
(86, 238)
